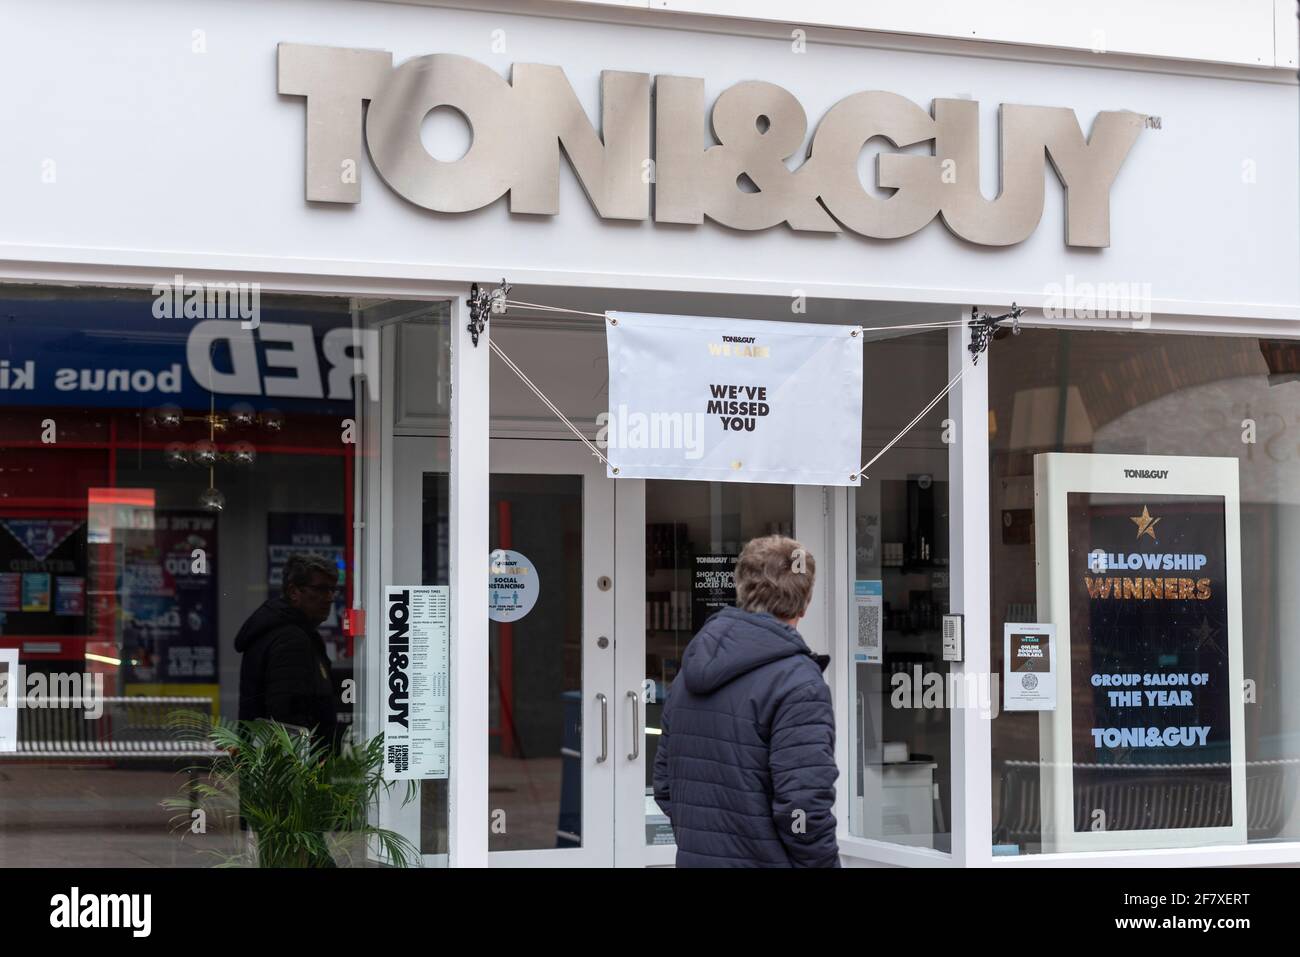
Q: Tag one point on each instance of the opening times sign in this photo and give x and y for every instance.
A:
(416, 704)
(1139, 566)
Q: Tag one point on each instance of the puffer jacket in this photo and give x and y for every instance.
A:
(745, 767)
(285, 672)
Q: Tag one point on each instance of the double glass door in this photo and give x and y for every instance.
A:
(602, 586)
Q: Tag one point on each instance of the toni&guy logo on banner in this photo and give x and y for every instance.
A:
(732, 400)
(518, 127)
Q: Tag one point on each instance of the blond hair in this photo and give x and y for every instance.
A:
(775, 575)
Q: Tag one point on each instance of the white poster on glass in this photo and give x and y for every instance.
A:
(416, 713)
(513, 585)
(1028, 667)
(733, 400)
(868, 603)
(1139, 569)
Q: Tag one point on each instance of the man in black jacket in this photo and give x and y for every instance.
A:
(745, 767)
(285, 674)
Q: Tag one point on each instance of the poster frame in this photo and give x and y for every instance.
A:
(1056, 475)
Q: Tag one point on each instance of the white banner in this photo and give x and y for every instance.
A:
(733, 400)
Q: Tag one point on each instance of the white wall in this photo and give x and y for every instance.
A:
(168, 158)
(1247, 32)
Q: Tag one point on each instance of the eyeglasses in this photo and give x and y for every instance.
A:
(331, 590)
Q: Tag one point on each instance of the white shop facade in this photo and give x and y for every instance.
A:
(365, 165)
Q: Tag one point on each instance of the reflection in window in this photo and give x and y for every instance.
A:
(694, 534)
(900, 738)
(156, 472)
(1159, 395)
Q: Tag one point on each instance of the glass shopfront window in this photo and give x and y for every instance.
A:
(164, 454)
(1145, 496)
(694, 535)
(899, 740)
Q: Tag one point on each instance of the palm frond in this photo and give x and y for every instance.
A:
(304, 802)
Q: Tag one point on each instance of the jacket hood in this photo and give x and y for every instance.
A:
(735, 642)
(272, 614)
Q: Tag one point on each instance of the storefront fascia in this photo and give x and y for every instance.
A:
(380, 249)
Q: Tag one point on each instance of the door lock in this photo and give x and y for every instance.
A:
(604, 582)
(602, 642)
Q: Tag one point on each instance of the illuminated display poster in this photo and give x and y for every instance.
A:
(42, 578)
(169, 606)
(1149, 626)
(1142, 584)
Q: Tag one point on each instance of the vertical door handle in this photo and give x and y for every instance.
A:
(604, 727)
(636, 726)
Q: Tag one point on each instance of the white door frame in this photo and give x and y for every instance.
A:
(413, 456)
(628, 749)
(540, 456)
(811, 506)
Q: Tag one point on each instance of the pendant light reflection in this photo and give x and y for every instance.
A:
(176, 455)
(242, 454)
(212, 500)
(206, 453)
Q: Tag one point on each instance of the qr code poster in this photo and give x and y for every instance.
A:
(868, 600)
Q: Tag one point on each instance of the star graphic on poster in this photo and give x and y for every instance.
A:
(1145, 523)
(1204, 635)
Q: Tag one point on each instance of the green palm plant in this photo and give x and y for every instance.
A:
(305, 802)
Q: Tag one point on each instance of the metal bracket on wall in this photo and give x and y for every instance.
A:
(482, 301)
(985, 328)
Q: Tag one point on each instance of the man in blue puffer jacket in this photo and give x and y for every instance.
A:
(745, 768)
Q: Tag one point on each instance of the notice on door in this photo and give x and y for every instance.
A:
(713, 586)
(416, 704)
(868, 601)
(1028, 672)
(512, 585)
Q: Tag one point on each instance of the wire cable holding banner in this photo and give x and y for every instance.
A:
(983, 330)
(481, 302)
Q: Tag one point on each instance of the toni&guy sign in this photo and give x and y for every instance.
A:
(519, 126)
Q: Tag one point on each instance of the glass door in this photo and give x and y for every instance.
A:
(550, 738)
(690, 534)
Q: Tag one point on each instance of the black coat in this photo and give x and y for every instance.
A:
(745, 767)
(285, 673)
